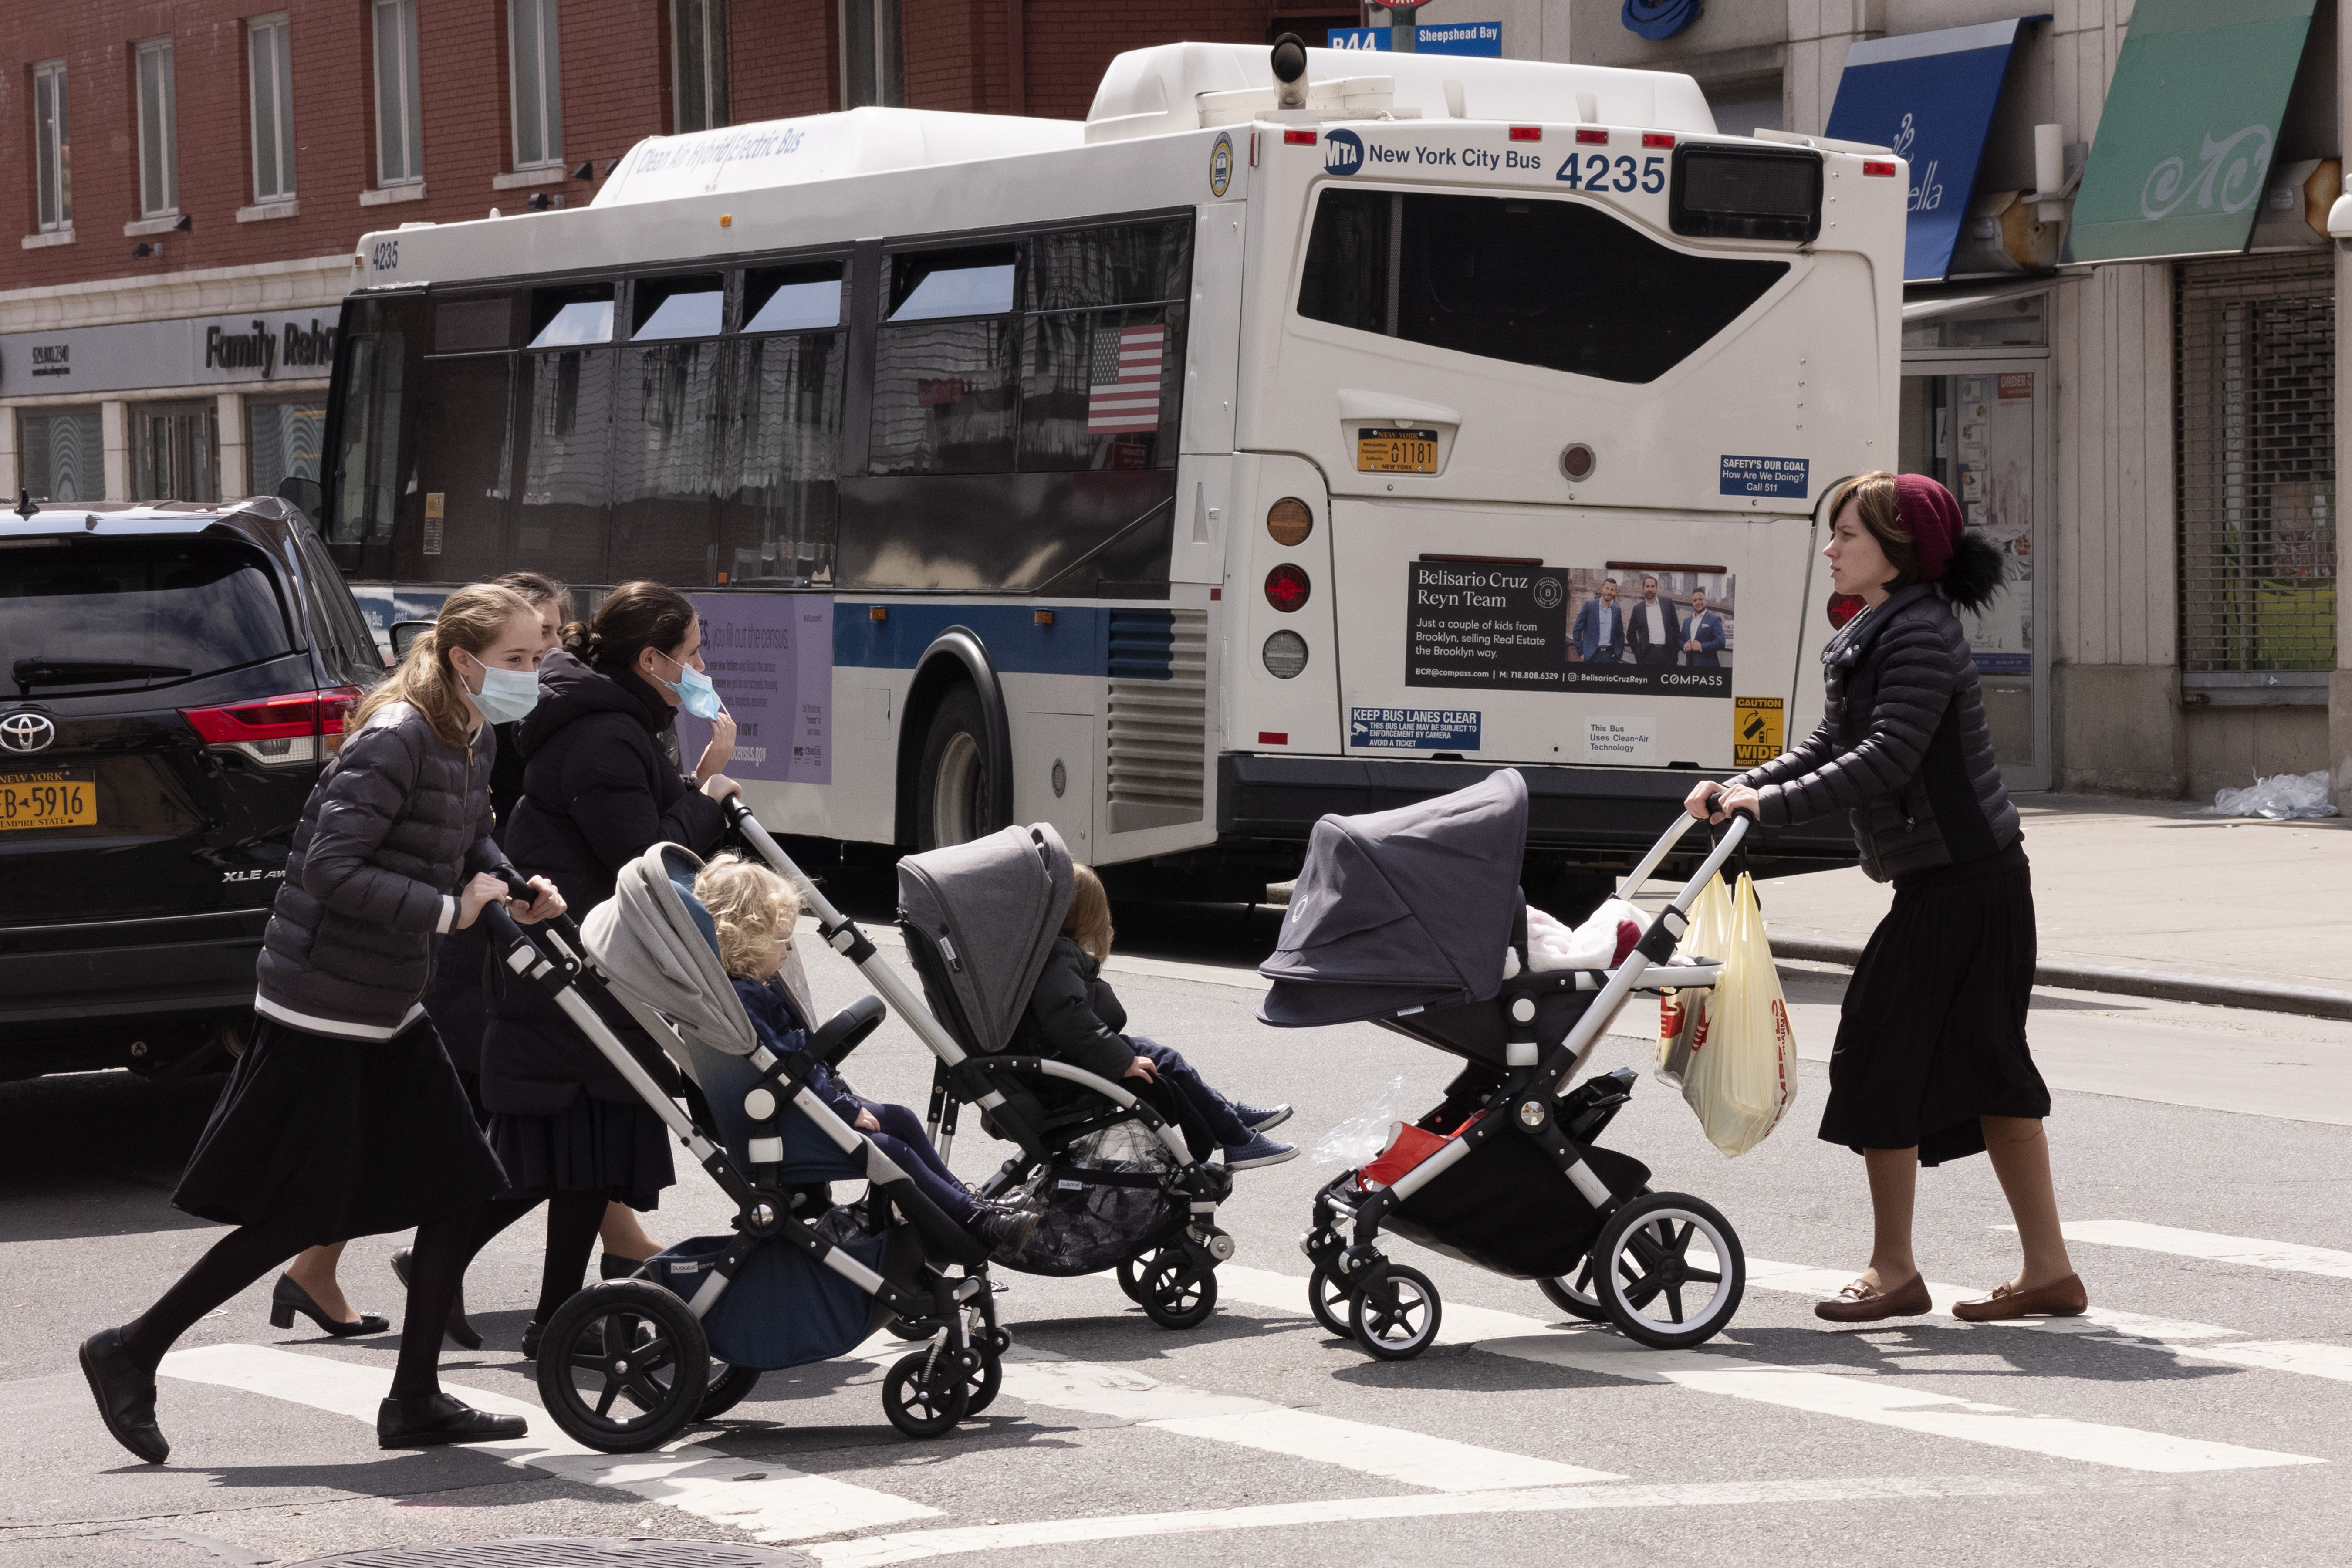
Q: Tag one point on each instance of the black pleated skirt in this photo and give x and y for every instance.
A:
(1932, 1034)
(618, 1148)
(333, 1139)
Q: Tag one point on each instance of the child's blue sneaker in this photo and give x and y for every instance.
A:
(1260, 1118)
(1260, 1150)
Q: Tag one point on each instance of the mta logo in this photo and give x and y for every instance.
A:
(1343, 152)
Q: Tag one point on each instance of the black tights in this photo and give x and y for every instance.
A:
(437, 1268)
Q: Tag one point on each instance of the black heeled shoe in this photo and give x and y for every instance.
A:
(125, 1395)
(460, 1332)
(438, 1419)
(290, 1297)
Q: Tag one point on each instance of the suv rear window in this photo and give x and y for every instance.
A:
(1527, 279)
(81, 614)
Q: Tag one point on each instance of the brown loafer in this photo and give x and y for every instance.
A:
(1858, 1303)
(2060, 1298)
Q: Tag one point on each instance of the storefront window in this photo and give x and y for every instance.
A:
(175, 452)
(283, 437)
(60, 454)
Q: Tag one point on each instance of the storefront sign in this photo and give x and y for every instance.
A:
(145, 356)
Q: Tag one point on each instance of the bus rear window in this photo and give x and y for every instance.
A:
(1529, 281)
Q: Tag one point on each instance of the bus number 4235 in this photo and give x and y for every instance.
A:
(1590, 172)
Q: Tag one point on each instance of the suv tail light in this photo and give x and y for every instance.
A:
(278, 731)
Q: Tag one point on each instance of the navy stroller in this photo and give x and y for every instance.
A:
(625, 1365)
(1412, 919)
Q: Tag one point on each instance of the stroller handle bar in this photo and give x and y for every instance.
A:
(1657, 943)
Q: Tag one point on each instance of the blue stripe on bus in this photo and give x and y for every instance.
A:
(1127, 645)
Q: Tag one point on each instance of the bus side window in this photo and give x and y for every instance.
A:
(779, 518)
(368, 446)
(947, 392)
(566, 497)
(1100, 388)
(670, 429)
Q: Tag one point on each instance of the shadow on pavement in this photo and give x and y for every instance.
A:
(91, 1153)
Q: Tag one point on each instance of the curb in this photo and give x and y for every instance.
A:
(2206, 990)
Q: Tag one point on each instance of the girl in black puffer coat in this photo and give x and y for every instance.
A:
(1931, 1061)
(601, 786)
(343, 1117)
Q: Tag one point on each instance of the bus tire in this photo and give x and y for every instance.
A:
(951, 783)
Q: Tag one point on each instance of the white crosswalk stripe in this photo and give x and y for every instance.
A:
(1874, 1400)
(2249, 1251)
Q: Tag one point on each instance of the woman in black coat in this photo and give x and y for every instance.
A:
(1931, 1062)
(344, 1117)
(601, 786)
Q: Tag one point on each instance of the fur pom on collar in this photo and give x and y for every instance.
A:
(1976, 573)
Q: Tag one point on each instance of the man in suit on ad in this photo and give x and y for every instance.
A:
(1599, 630)
(1653, 630)
(1703, 634)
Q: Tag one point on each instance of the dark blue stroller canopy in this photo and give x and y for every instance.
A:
(1404, 909)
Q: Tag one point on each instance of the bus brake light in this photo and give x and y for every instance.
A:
(1287, 588)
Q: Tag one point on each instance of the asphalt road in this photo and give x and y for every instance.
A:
(2197, 1416)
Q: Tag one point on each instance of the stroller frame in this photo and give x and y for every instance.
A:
(926, 1393)
(1175, 1283)
(1358, 1292)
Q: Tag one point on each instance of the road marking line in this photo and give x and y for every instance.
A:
(785, 1505)
(2249, 1251)
(2309, 1358)
(1038, 1376)
(875, 1550)
(1866, 1398)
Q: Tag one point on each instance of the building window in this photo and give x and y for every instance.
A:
(534, 83)
(399, 116)
(283, 438)
(52, 147)
(159, 149)
(270, 67)
(873, 68)
(59, 453)
(175, 452)
(698, 36)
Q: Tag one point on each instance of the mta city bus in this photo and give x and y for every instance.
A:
(1251, 450)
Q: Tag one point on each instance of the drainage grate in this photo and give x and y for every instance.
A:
(566, 1551)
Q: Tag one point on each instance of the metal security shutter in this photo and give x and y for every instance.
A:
(1159, 717)
(2255, 420)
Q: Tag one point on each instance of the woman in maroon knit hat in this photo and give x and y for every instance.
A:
(1931, 1062)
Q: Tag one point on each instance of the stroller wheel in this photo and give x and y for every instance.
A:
(1669, 1271)
(981, 1391)
(622, 1366)
(923, 1399)
(727, 1388)
(1573, 1294)
(1396, 1319)
(1175, 1293)
(1327, 1300)
(897, 1328)
(1130, 1279)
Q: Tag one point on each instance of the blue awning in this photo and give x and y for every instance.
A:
(1929, 96)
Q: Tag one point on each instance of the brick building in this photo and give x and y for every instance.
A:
(190, 176)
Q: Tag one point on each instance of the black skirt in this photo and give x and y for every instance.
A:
(330, 1138)
(1932, 1034)
(619, 1148)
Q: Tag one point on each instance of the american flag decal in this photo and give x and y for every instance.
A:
(1123, 382)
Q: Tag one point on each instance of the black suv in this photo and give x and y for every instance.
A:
(172, 678)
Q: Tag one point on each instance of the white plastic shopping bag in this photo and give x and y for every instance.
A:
(1740, 1074)
(1683, 1013)
(1359, 1139)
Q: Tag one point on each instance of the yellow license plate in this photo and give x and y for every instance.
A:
(59, 797)
(1396, 451)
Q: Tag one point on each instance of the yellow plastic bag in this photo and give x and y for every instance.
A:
(1681, 1013)
(1742, 1075)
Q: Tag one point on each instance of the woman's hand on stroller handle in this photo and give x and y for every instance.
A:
(1711, 800)
(528, 902)
(718, 786)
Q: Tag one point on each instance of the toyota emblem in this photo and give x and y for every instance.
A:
(26, 733)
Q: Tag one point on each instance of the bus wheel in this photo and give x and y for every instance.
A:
(952, 789)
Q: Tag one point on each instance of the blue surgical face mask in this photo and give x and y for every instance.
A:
(506, 694)
(695, 692)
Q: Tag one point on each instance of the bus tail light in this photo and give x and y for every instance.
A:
(1289, 521)
(1284, 655)
(278, 731)
(1576, 460)
(1287, 588)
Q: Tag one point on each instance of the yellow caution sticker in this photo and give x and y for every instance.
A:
(1756, 731)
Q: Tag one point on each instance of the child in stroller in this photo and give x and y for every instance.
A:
(1074, 1017)
(755, 910)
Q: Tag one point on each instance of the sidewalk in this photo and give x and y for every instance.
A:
(2145, 896)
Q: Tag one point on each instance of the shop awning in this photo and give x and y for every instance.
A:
(1929, 96)
(2184, 142)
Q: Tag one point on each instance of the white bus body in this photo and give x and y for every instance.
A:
(1721, 385)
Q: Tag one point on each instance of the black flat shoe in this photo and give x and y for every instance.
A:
(290, 1297)
(125, 1395)
(438, 1419)
(460, 1332)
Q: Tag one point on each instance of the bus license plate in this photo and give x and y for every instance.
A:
(1396, 451)
(59, 797)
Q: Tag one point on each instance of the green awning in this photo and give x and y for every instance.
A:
(2185, 141)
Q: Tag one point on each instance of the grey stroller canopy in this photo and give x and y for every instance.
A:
(658, 945)
(993, 905)
(1410, 907)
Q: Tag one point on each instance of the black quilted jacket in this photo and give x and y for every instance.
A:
(398, 820)
(1905, 748)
